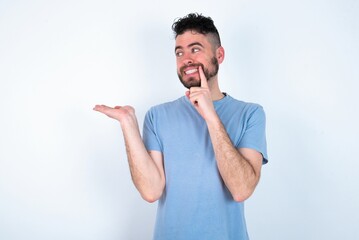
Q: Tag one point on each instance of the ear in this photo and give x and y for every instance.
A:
(220, 54)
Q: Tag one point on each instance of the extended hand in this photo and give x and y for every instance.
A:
(119, 113)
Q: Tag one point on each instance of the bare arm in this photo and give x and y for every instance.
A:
(146, 167)
(239, 168)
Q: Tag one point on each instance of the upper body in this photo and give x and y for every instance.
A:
(196, 204)
(198, 53)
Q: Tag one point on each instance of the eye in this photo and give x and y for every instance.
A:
(179, 53)
(194, 50)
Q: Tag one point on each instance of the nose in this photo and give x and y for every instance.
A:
(187, 60)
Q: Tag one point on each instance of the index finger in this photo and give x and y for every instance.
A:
(203, 78)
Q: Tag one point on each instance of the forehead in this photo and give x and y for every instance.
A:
(189, 37)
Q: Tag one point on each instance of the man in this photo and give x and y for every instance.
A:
(201, 155)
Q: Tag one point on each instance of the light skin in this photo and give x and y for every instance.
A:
(239, 168)
(146, 167)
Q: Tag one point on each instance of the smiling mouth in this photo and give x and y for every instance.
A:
(191, 71)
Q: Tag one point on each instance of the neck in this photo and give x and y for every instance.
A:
(217, 96)
(216, 93)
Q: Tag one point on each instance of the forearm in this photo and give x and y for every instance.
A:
(146, 176)
(146, 170)
(237, 173)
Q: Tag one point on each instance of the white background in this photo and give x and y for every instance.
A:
(63, 167)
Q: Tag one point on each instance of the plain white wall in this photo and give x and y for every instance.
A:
(63, 168)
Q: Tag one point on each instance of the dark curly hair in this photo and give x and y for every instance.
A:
(198, 23)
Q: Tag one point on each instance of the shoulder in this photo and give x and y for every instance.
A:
(244, 106)
(167, 107)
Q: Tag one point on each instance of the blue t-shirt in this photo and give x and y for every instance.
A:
(196, 204)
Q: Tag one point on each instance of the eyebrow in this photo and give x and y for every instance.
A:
(189, 45)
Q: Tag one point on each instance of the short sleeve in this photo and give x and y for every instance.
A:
(254, 136)
(150, 135)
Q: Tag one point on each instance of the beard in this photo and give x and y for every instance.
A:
(194, 81)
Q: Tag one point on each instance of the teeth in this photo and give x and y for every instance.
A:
(191, 71)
